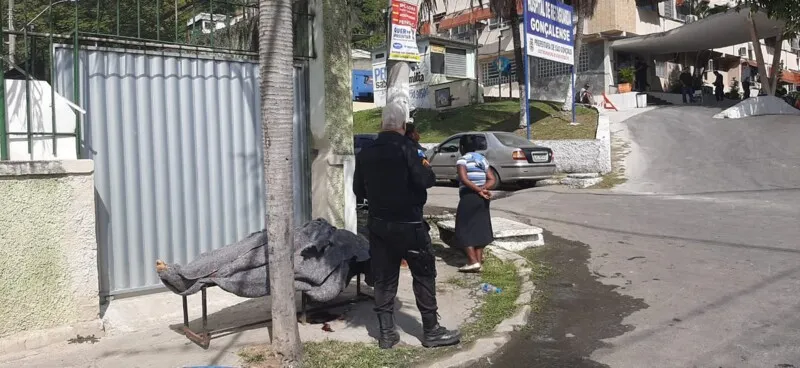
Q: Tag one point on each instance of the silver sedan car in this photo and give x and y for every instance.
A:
(513, 159)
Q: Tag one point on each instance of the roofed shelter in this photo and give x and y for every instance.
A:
(736, 26)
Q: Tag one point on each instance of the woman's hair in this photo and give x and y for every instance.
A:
(410, 129)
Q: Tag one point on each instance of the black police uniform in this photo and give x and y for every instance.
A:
(391, 175)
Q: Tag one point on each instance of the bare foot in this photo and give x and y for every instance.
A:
(160, 266)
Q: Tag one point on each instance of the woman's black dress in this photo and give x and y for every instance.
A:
(473, 220)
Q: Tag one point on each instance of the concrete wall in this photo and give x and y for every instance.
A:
(48, 253)
(462, 93)
(330, 101)
(583, 155)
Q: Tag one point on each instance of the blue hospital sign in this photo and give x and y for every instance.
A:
(549, 32)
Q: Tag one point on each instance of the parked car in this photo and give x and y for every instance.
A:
(513, 159)
(360, 141)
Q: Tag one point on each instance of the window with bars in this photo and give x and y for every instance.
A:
(490, 76)
(544, 68)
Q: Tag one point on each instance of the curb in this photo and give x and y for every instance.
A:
(489, 345)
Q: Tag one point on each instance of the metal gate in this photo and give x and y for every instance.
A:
(176, 142)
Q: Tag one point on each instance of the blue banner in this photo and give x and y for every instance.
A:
(549, 30)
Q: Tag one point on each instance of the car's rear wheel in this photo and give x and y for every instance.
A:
(497, 182)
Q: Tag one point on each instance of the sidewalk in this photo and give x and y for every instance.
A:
(144, 331)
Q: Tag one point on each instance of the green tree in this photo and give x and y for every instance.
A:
(368, 23)
(789, 12)
(277, 101)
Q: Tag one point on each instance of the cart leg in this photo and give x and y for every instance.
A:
(205, 310)
(303, 308)
(185, 312)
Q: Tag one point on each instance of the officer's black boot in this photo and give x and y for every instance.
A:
(436, 335)
(388, 335)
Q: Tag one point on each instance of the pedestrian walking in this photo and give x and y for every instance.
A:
(746, 84)
(719, 87)
(473, 219)
(394, 179)
(687, 90)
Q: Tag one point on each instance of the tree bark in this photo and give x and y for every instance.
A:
(277, 108)
(762, 69)
(576, 56)
(776, 60)
(520, 65)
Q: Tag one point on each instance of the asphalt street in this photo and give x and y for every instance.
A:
(706, 234)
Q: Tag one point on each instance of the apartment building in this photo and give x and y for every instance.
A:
(599, 60)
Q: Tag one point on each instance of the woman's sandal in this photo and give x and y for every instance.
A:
(475, 267)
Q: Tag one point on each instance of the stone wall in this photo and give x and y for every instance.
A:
(48, 253)
(583, 155)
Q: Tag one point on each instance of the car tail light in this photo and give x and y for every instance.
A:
(518, 155)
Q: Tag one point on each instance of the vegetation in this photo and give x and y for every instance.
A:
(495, 308)
(547, 122)
(627, 75)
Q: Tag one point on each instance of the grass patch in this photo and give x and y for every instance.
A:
(258, 357)
(494, 309)
(547, 121)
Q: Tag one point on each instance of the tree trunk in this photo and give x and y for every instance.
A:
(277, 108)
(577, 55)
(520, 65)
(12, 39)
(776, 60)
(762, 69)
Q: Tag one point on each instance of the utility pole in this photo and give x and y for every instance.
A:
(499, 72)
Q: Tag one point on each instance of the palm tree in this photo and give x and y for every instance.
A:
(584, 9)
(276, 47)
(507, 10)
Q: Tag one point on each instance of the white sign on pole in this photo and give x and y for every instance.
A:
(403, 42)
(548, 32)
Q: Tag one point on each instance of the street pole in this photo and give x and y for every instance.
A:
(525, 59)
(499, 72)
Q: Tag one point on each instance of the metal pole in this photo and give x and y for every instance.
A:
(213, 22)
(53, 83)
(118, 17)
(158, 20)
(138, 19)
(3, 128)
(499, 72)
(76, 85)
(572, 70)
(526, 62)
(28, 115)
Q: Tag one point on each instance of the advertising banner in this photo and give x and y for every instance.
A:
(419, 80)
(403, 42)
(548, 31)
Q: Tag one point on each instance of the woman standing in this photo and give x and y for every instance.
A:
(473, 220)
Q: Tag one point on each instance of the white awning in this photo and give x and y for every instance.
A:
(719, 30)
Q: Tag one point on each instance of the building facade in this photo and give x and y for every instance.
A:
(599, 62)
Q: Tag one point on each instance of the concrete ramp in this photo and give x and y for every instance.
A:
(758, 106)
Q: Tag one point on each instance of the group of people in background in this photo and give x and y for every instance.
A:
(393, 174)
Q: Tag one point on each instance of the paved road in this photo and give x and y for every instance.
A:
(706, 233)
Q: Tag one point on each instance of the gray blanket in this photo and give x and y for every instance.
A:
(323, 258)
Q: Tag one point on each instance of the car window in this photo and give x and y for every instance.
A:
(450, 145)
(480, 141)
(511, 140)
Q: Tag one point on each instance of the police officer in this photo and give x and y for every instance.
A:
(394, 179)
